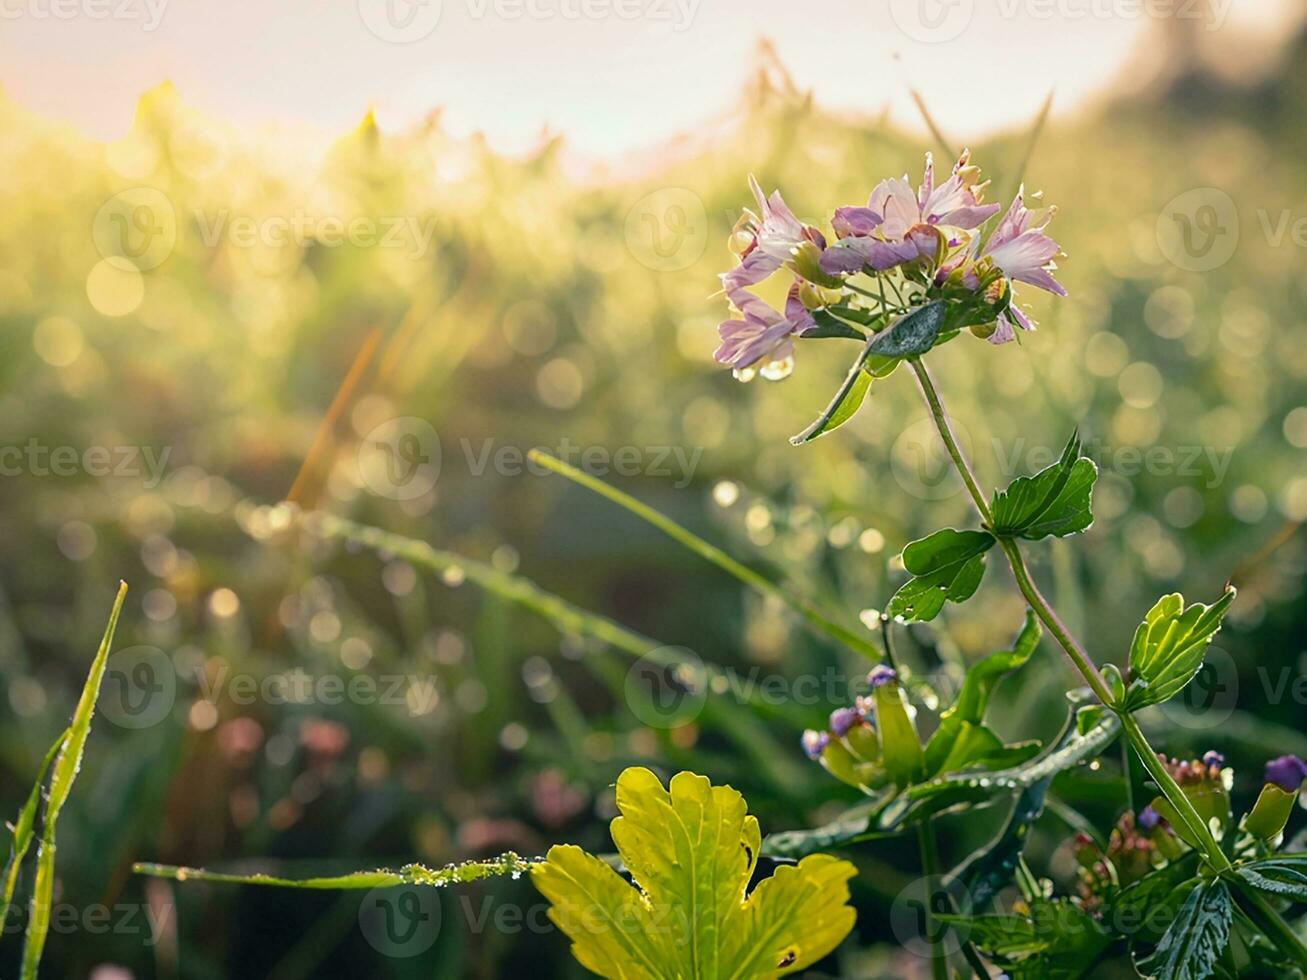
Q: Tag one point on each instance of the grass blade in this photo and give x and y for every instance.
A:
(410, 874)
(567, 618)
(66, 765)
(24, 826)
(811, 614)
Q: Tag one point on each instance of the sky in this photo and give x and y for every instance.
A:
(613, 76)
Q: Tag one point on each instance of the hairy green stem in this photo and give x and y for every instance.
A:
(1274, 926)
(930, 867)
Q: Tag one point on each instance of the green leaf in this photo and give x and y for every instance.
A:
(1284, 875)
(868, 367)
(1271, 812)
(841, 408)
(957, 789)
(913, 334)
(410, 874)
(900, 746)
(991, 867)
(1199, 934)
(691, 852)
(1055, 501)
(947, 565)
(23, 828)
(1169, 645)
(999, 935)
(63, 775)
(968, 711)
(829, 325)
(1145, 907)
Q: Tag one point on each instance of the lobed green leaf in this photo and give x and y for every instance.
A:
(946, 566)
(1169, 646)
(1055, 501)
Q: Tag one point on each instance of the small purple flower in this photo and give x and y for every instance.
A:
(1024, 253)
(814, 742)
(881, 675)
(1286, 772)
(1149, 818)
(765, 241)
(892, 228)
(867, 708)
(1213, 758)
(842, 719)
(762, 342)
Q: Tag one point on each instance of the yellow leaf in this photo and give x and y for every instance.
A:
(691, 851)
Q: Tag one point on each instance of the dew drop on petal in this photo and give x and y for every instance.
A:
(778, 370)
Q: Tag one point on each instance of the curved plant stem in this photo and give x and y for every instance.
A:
(930, 868)
(1271, 921)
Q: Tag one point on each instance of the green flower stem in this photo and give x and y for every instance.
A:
(1271, 922)
(930, 867)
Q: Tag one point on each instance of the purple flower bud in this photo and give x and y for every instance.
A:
(1286, 772)
(814, 742)
(1149, 818)
(881, 674)
(842, 719)
(866, 708)
(1213, 758)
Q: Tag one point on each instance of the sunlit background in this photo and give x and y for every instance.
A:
(237, 241)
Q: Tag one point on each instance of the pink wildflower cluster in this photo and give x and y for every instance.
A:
(900, 250)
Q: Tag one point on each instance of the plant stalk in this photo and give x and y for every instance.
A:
(1274, 926)
(929, 847)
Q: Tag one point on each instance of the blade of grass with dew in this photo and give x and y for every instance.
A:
(507, 863)
(24, 826)
(811, 614)
(568, 619)
(66, 765)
